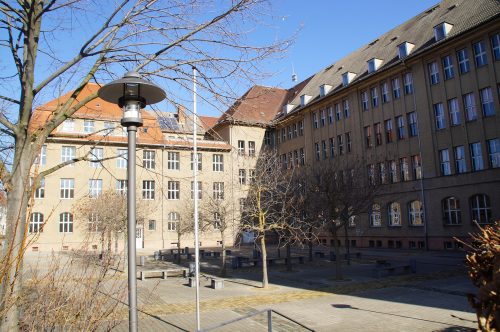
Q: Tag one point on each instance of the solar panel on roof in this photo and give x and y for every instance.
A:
(169, 123)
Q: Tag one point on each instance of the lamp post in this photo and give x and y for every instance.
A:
(131, 93)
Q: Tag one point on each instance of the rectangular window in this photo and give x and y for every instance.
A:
(267, 138)
(200, 190)
(67, 188)
(476, 156)
(448, 70)
(173, 190)
(374, 94)
(389, 133)
(439, 116)
(95, 187)
(487, 104)
(88, 126)
(338, 112)
(40, 190)
(323, 117)
(241, 146)
(290, 159)
(378, 133)
(348, 141)
(385, 93)
(412, 124)
(364, 101)
(444, 159)
(371, 173)
(218, 163)
(301, 128)
(493, 152)
(302, 157)
(393, 171)
(317, 151)
(148, 189)
(340, 144)
(295, 135)
(68, 153)
(289, 131)
(199, 161)
(401, 127)
(460, 165)
(148, 159)
(470, 106)
(330, 114)
(381, 172)
(332, 147)
(242, 176)
(368, 136)
(108, 127)
(408, 83)
(251, 176)
(495, 46)
(284, 163)
(96, 155)
(121, 187)
(396, 88)
(68, 125)
(345, 104)
(315, 120)
(480, 57)
(121, 158)
(324, 149)
(404, 169)
(218, 190)
(152, 225)
(42, 158)
(283, 134)
(433, 72)
(173, 160)
(454, 111)
(463, 61)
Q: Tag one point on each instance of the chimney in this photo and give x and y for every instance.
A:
(181, 114)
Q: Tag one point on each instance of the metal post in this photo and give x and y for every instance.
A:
(269, 321)
(195, 187)
(132, 274)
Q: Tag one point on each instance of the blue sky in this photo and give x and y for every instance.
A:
(331, 29)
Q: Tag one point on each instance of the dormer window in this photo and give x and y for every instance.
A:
(374, 65)
(441, 30)
(347, 78)
(324, 89)
(405, 49)
(304, 99)
(287, 108)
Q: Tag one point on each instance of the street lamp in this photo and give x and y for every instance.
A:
(131, 93)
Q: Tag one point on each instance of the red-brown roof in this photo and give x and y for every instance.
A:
(259, 105)
(208, 121)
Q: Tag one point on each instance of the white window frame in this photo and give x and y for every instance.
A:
(434, 73)
(487, 103)
(40, 190)
(416, 162)
(68, 153)
(251, 144)
(121, 187)
(385, 93)
(322, 114)
(463, 61)
(330, 114)
(480, 56)
(66, 222)
(95, 187)
(401, 127)
(200, 190)
(394, 211)
(444, 162)
(495, 46)
(88, 126)
(148, 189)
(345, 106)
(241, 148)
(470, 106)
(68, 125)
(408, 83)
(375, 216)
(218, 190)
(242, 176)
(415, 213)
(200, 159)
(404, 169)
(480, 208)
(493, 152)
(218, 162)
(121, 158)
(460, 162)
(439, 116)
(36, 223)
(412, 124)
(149, 159)
(448, 69)
(476, 154)
(374, 96)
(454, 112)
(173, 222)
(67, 188)
(364, 101)
(173, 190)
(173, 160)
(452, 214)
(396, 88)
(96, 156)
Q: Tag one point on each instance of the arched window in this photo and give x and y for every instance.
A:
(375, 216)
(65, 222)
(394, 214)
(173, 221)
(415, 213)
(36, 223)
(480, 208)
(451, 211)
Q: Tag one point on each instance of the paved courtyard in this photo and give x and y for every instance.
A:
(433, 299)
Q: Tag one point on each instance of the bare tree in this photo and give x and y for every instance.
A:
(159, 38)
(106, 215)
(269, 205)
(337, 196)
(182, 223)
(218, 216)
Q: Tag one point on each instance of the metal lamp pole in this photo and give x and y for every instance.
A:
(131, 93)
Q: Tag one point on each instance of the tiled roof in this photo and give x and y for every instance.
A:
(208, 121)
(462, 14)
(259, 106)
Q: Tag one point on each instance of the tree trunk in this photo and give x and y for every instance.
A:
(310, 243)
(223, 263)
(338, 259)
(347, 244)
(289, 257)
(179, 249)
(18, 197)
(265, 280)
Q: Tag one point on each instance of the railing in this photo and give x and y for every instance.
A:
(269, 321)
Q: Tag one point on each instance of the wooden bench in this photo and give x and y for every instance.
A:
(162, 273)
(216, 283)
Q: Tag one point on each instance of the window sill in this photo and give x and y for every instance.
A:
(452, 225)
(417, 226)
(394, 226)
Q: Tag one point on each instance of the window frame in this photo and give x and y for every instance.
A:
(148, 189)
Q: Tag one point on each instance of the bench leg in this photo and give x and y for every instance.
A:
(164, 275)
(143, 276)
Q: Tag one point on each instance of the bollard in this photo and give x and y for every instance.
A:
(142, 259)
(192, 269)
(157, 255)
